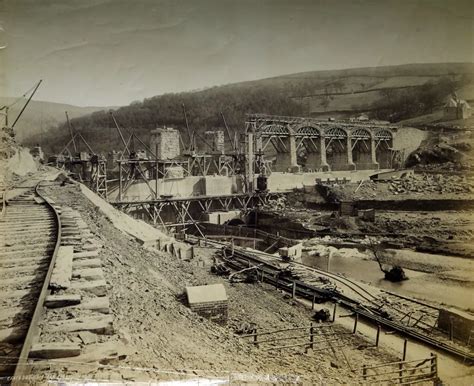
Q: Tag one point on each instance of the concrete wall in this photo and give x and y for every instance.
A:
(222, 217)
(181, 187)
(223, 185)
(185, 187)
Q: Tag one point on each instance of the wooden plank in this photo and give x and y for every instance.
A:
(99, 325)
(56, 301)
(62, 272)
(96, 287)
(81, 255)
(98, 304)
(89, 274)
(38, 200)
(54, 350)
(87, 263)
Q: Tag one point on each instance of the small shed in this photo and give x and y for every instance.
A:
(209, 301)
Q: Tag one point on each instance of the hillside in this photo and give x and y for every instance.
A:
(39, 117)
(391, 93)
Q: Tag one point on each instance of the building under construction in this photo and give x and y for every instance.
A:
(170, 183)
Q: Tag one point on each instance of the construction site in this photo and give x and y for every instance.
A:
(295, 250)
(236, 192)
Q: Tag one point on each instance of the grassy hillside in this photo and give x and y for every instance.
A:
(40, 117)
(391, 93)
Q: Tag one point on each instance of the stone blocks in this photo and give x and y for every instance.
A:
(209, 301)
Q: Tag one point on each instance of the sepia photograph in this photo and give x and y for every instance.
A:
(236, 192)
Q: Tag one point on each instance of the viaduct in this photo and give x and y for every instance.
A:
(328, 145)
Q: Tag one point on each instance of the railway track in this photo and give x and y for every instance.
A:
(413, 313)
(31, 234)
(404, 315)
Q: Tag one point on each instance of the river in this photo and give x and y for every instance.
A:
(421, 285)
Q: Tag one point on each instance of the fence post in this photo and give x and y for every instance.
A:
(294, 290)
(255, 341)
(377, 337)
(334, 312)
(355, 323)
(312, 303)
(400, 372)
(311, 337)
(364, 372)
(405, 342)
(451, 328)
(434, 365)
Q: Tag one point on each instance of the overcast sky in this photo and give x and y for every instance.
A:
(104, 53)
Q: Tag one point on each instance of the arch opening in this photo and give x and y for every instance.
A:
(384, 149)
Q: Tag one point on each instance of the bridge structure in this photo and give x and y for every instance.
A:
(325, 145)
(169, 186)
(189, 212)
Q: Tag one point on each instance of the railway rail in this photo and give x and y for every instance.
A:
(385, 308)
(31, 235)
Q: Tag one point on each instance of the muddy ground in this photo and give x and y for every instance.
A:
(439, 232)
(159, 332)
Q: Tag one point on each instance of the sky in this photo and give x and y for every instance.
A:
(113, 52)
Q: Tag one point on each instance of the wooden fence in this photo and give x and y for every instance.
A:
(401, 372)
(315, 337)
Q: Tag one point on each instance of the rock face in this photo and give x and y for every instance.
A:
(15, 160)
(22, 162)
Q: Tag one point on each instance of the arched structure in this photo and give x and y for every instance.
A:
(363, 149)
(282, 138)
(329, 145)
(338, 148)
(383, 142)
(311, 139)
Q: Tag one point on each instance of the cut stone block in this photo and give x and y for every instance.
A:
(209, 301)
